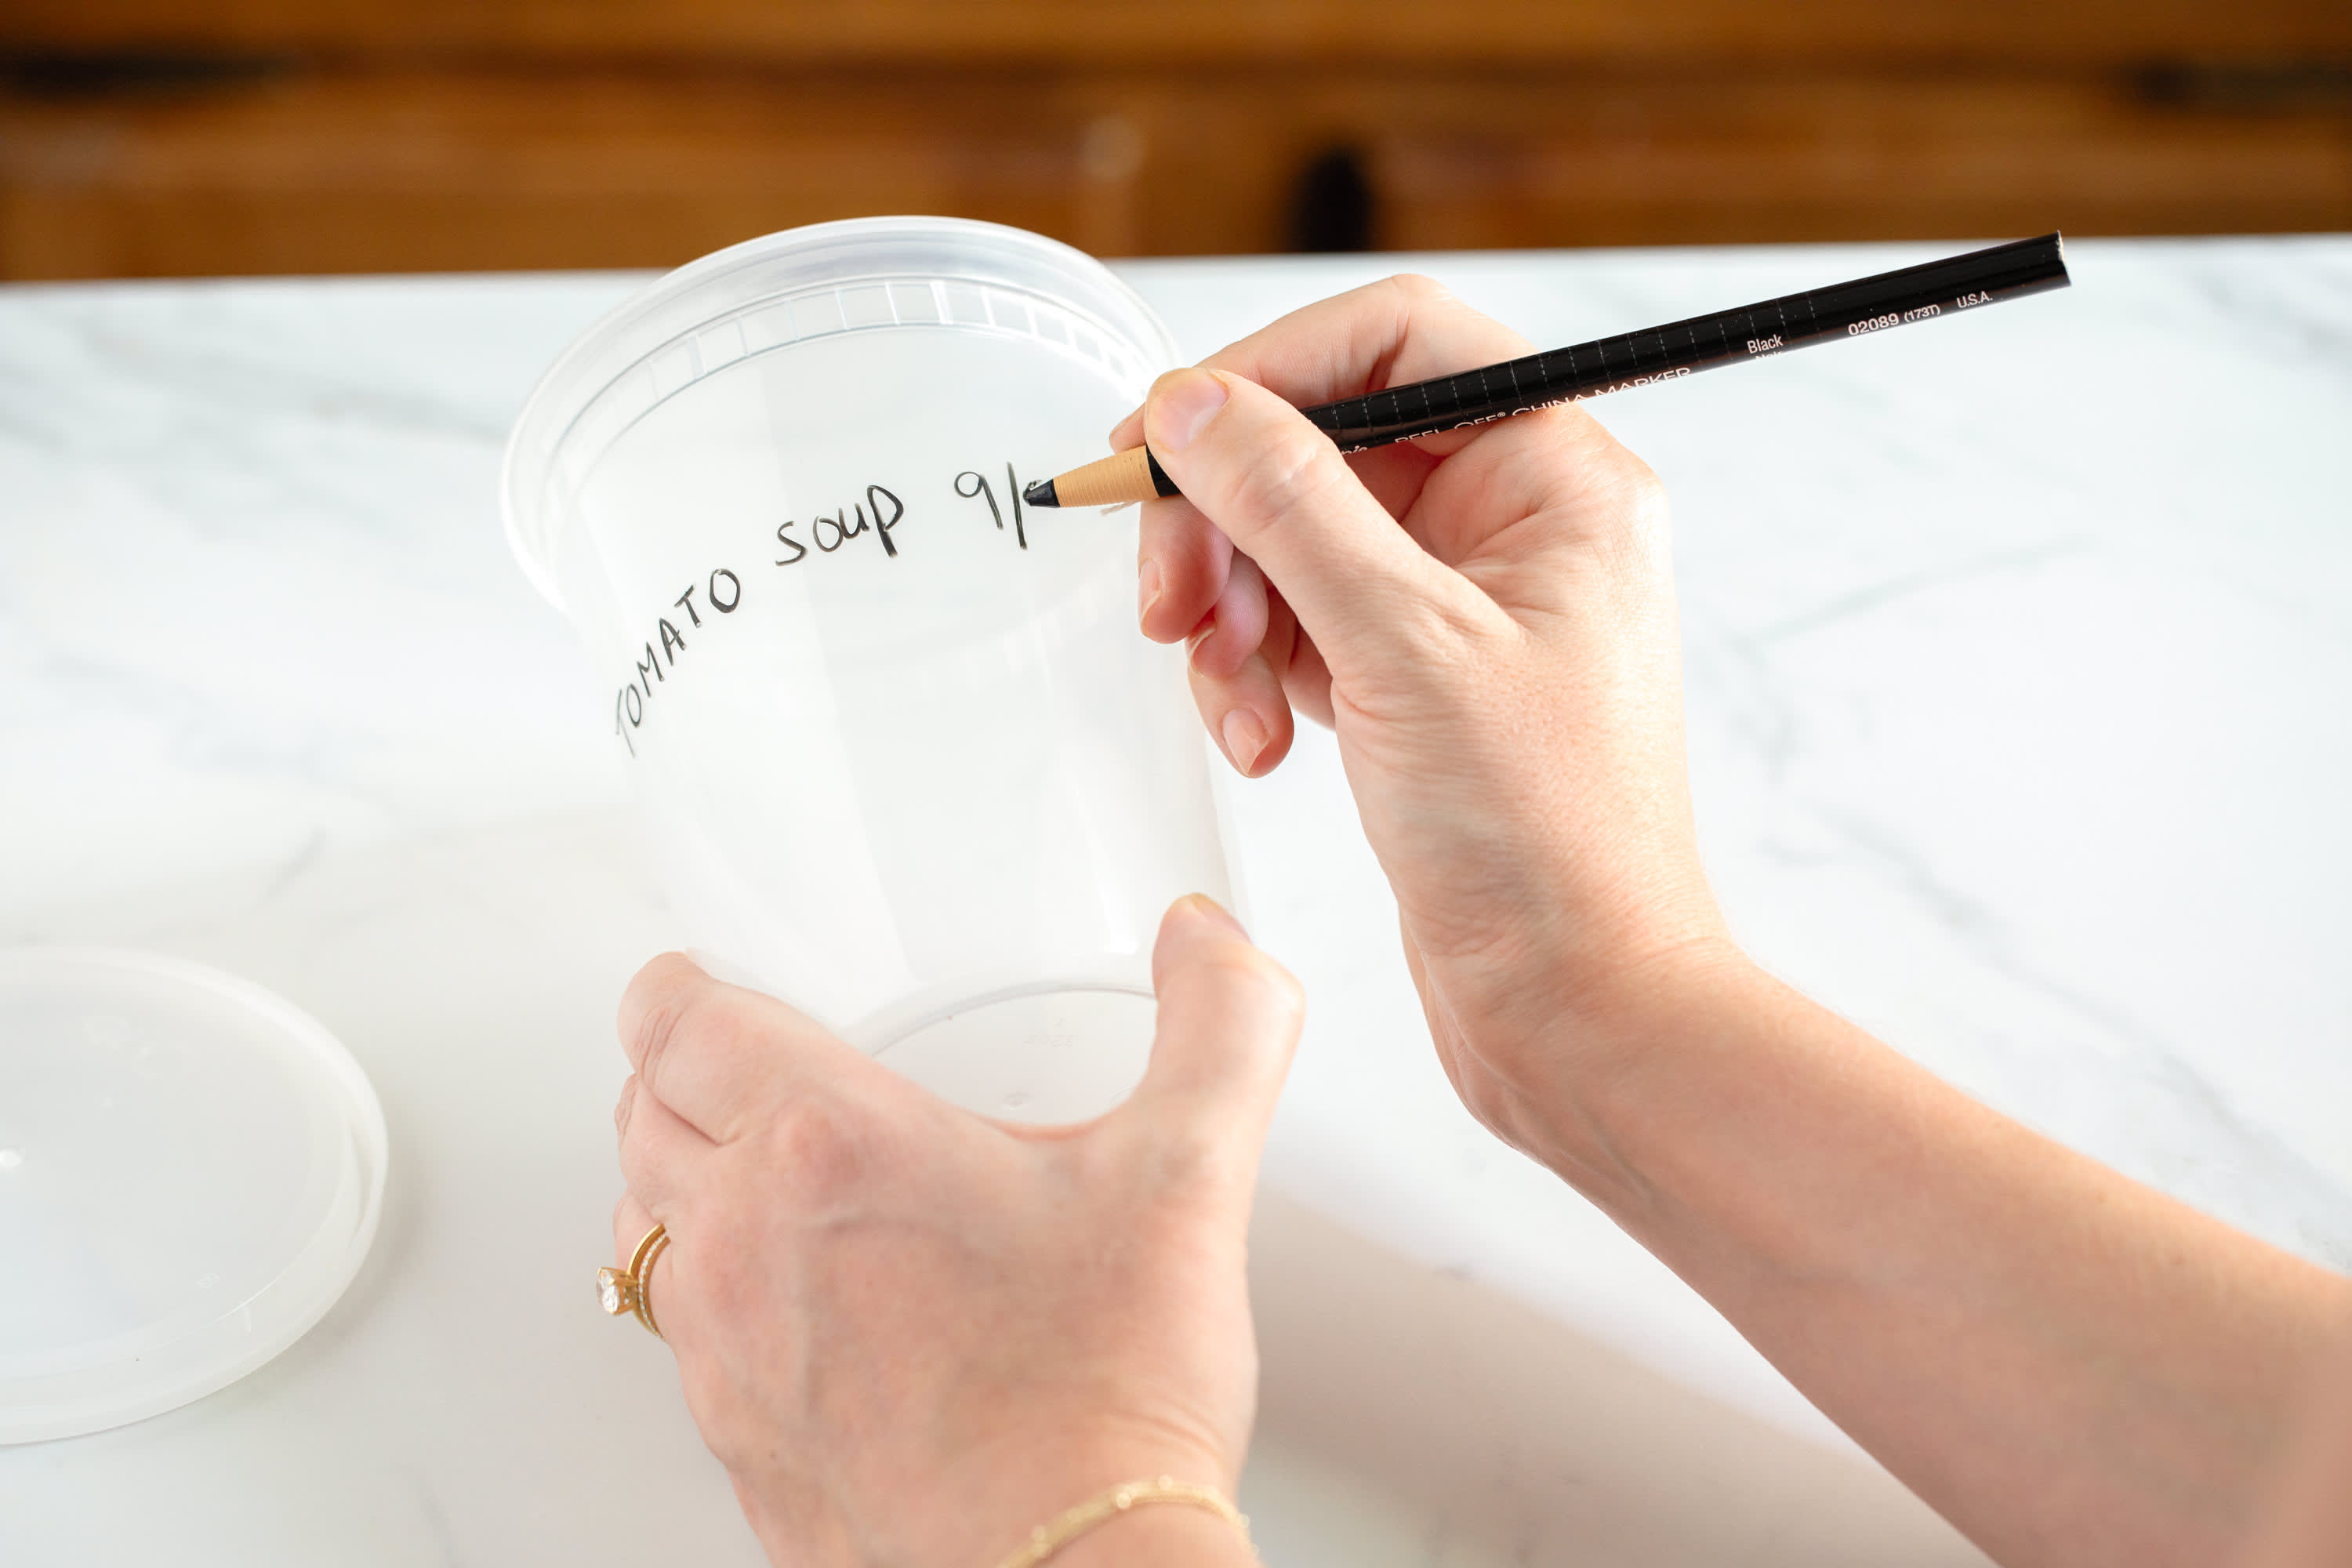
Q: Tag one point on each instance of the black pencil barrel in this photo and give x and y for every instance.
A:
(1726, 337)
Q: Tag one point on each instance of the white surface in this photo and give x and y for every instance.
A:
(191, 1171)
(2018, 670)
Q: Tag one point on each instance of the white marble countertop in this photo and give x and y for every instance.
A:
(2020, 658)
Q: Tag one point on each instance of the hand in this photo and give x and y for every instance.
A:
(2073, 1368)
(1486, 619)
(912, 1334)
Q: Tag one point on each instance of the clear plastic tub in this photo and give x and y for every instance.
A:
(907, 762)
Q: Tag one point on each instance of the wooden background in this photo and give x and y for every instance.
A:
(164, 137)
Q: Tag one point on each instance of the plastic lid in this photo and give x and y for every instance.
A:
(191, 1171)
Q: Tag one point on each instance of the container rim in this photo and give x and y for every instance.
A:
(726, 283)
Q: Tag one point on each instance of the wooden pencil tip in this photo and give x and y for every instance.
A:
(1107, 481)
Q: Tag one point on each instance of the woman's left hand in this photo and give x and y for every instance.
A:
(909, 1332)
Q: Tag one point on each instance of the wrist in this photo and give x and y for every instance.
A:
(1596, 1087)
(1158, 1535)
(987, 1510)
(1558, 955)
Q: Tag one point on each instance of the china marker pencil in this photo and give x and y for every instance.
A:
(1853, 310)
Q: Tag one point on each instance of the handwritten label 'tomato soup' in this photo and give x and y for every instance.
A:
(875, 516)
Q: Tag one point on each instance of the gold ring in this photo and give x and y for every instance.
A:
(622, 1291)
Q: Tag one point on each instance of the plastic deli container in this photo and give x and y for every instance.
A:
(906, 760)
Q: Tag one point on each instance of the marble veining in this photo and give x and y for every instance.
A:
(2019, 653)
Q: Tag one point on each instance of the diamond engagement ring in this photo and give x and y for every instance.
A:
(624, 1291)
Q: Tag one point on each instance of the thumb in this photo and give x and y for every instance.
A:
(1279, 489)
(1229, 1019)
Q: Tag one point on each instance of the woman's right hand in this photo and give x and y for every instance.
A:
(2072, 1368)
(1486, 619)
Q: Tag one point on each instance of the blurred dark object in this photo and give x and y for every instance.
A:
(149, 137)
(1332, 210)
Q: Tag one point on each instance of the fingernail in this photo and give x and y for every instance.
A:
(1244, 738)
(1202, 906)
(1182, 407)
(1147, 589)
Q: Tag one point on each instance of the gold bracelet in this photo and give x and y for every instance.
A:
(1055, 1534)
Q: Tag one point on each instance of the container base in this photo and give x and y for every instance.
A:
(1041, 1054)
